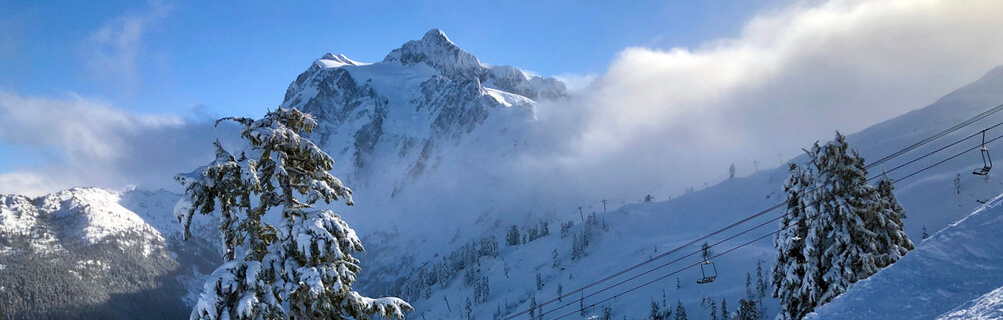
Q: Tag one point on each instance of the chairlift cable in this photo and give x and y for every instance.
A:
(666, 275)
(938, 135)
(666, 264)
(774, 207)
(740, 246)
(942, 149)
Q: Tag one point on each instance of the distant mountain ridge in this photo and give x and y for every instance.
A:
(75, 254)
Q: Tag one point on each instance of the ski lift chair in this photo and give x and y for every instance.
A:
(709, 272)
(987, 160)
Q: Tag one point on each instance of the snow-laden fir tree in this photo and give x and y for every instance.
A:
(680, 311)
(512, 238)
(724, 310)
(837, 229)
(302, 266)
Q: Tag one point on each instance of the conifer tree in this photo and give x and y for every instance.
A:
(512, 238)
(747, 310)
(680, 311)
(837, 229)
(300, 268)
(957, 184)
(655, 314)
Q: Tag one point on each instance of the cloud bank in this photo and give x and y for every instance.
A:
(97, 145)
(664, 120)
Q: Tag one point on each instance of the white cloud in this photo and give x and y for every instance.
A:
(23, 183)
(98, 145)
(577, 82)
(112, 52)
(679, 117)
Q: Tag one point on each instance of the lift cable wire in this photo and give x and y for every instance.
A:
(942, 149)
(665, 276)
(740, 246)
(938, 135)
(774, 207)
(667, 264)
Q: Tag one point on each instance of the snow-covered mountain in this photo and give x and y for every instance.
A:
(400, 129)
(94, 253)
(393, 121)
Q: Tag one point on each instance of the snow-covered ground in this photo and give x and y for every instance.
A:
(961, 263)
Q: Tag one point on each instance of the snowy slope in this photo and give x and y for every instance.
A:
(988, 306)
(639, 231)
(960, 263)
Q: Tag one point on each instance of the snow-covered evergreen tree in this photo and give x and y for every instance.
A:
(747, 310)
(539, 282)
(532, 308)
(957, 184)
(560, 292)
(300, 268)
(724, 310)
(680, 311)
(512, 238)
(837, 230)
(657, 313)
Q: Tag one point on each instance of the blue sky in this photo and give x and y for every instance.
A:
(114, 93)
(232, 58)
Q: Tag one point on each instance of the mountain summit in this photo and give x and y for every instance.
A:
(437, 51)
(402, 114)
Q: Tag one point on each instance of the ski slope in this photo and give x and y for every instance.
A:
(639, 231)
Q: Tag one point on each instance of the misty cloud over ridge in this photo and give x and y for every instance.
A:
(662, 120)
(87, 142)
